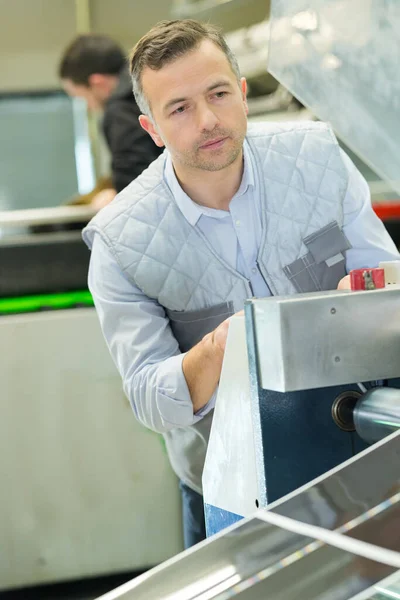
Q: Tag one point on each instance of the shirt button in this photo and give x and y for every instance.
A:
(254, 270)
(237, 223)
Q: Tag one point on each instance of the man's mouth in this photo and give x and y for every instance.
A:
(215, 143)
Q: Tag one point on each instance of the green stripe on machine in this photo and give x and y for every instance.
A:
(45, 302)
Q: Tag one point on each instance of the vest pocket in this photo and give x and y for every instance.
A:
(324, 265)
(189, 327)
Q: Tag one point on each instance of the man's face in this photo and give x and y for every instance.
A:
(87, 92)
(198, 109)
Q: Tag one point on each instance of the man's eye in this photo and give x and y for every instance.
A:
(179, 110)
(221, 94)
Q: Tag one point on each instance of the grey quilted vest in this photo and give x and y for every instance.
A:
(303, 183)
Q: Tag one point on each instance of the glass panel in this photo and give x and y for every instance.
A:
(340, 58)
(37, 149)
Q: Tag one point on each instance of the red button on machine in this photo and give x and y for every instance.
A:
(367, 279)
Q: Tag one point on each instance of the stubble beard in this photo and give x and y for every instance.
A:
(218, 159)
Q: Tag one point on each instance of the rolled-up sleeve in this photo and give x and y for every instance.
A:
(366, 233)
(142, 346)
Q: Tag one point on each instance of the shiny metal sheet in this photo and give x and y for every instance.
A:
(290, 552)
(340, 58)
(256, 560)
(230, 475)
(383, 590)
(323, 339)
(368, 484)
(326, 574)
(216, 565)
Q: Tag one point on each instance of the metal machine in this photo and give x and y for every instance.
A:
(316, 383)
(298, 398)
(335, 538)
(298, 504)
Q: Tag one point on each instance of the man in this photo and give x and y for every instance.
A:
(94, 68)
(227, 212)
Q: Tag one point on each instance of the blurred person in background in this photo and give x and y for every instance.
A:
(94, 67)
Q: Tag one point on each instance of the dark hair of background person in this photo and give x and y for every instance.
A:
(88, 54)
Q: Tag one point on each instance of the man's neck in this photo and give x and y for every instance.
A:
(213, 189)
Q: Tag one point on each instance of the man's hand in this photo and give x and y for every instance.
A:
(203, 363)
(101, 199)
(219, 336)
(344, 284)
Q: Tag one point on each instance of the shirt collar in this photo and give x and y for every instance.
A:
(193, 211)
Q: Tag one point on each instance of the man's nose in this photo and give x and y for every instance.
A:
(207, 119)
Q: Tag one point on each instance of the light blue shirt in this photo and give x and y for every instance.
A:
(135, 327)
(235, 235)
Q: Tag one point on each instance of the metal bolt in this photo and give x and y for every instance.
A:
(343, 409)
(337, 358)
(333, 311)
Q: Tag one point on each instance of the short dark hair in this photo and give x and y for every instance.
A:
(88, 54)
(167, 41)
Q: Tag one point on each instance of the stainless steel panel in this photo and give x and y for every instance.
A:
(328, 574)
(215, 566)
(346, 492)
(291, 559)
(229, 475)
(340, 58)
(254, 562)
(322, 339)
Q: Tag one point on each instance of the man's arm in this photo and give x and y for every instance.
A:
(366, 233)
(166, 388)
(202, 365)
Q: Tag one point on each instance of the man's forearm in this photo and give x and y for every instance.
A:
(202, 369)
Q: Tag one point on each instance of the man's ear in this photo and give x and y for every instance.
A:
(243, 87)
(149, 126)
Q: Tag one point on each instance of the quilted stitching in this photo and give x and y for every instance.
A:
(300, 164)
(283, 253)
(172, 273)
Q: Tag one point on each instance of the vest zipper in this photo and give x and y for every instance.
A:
(251, 288)
(221, 261)
(264, 279)
(263, 213)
